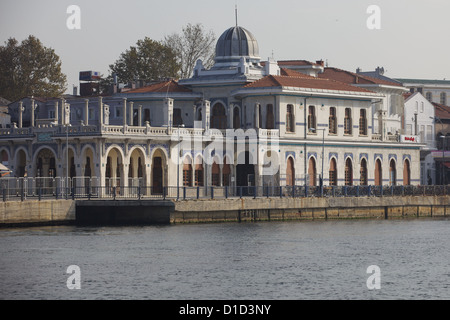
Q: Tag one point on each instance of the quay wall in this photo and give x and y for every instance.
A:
(51, 212)
(33, 212)
(273, 209)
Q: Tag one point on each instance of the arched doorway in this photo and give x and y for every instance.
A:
(348, 172)
(136, 169)
(114, 170)
(226, 173)
(332, 173)
(215, 174)
(245, 172)
(378, 173)
(392, 173)
(158, 172)
(21, 164)
(312, 172)
(406, 173)
(290, 172)
(45, 164)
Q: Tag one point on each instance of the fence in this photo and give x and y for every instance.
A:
(89, 188)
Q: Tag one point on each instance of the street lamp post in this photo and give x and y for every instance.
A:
(323, 154)
(178, 162)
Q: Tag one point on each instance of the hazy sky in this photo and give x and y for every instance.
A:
(413, 41)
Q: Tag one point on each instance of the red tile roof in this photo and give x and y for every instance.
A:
(353, 78)
(297, 63)
(304, 82)
(441, 111)
(293, 73)
(165, 86)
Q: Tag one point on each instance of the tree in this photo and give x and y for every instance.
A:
(192, 44)
(149, 61)
(30, 69)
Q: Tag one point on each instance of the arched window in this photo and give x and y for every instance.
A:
(333, 173)
(378, 173)
(392, 173)
(226, 173)
(290, 121)
(348, 172)
(332, 121)
(270, 119)
(429, 96)
(236, 118)
(290, 172)
(215, 174)
(218, 117)
(187, 172)
(312, 119)
(348, 121)
(199, 172)
(406, 173)
(363, 173)
(312, 172)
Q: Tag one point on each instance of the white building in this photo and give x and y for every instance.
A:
(419, 124)
(281, 127)
(437, 91)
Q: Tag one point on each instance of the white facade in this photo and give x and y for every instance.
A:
(437, 91)
(419, 124)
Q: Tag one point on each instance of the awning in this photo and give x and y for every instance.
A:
(447, 164)
(4, 170)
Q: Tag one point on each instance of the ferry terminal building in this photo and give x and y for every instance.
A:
(312, 127)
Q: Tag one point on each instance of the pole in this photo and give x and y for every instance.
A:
(323, 154)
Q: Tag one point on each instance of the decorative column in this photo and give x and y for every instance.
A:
(32, 113)
(257, 106)
(131, 113)
(124, 115)
(206, 105)
(63, 119)
(168, 112)
(21, 109)
(86, 112)
(57, 112)
(140, 116)
(100, 112)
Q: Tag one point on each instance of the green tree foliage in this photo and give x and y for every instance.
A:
(30, 69)
(149, 61)
(192, 44)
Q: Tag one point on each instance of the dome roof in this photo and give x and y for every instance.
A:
(237, 41)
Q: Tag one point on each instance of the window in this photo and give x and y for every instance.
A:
(312, 119)
(236, 118)
(429, 96)
(270, 120)
(348, 172)
(378, 173)
(443, 98)
(362, 122)
(146, 115)
(51, 114)
(348, 121)
(312, 172)
(333, 173)
(226, 173)
(199, 173)
(421, 107)
(363, 173)
(429, 133)
(332, 121)
(290, 121)
(218, 117)
(187, 172)
(290, 172)
(392, 173)
(91, 114)
(406, 173)
(215, 174)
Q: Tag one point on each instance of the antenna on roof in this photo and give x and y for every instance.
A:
(236, 14)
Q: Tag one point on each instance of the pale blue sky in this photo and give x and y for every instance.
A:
(413, 41)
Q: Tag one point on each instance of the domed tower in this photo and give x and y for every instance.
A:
(235, 43)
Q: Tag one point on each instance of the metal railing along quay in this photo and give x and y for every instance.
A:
(22, 189)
